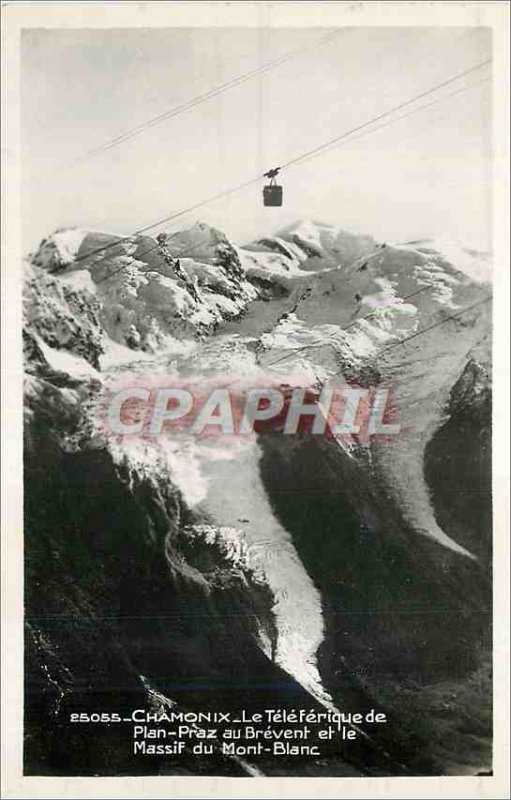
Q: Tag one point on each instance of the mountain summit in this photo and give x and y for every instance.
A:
(316, 245)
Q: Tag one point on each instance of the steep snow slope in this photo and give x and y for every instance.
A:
(351, 324)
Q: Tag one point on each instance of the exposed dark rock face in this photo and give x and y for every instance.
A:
(119, 597)
(62, 316)
(458, 463)
(405, 617)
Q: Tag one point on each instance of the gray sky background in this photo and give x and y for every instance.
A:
(425, 176)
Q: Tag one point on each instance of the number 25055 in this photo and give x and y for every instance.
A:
(99, 717)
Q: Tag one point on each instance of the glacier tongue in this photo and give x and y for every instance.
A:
(236, 498)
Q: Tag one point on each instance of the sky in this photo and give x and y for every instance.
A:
(425, 176)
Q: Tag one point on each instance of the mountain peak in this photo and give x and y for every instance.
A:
(317, 245)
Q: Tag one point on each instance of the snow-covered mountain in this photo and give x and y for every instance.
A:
(355, 572)
(145, 304)
(315, 245)
(475, 263)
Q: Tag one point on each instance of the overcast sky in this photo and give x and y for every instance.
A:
(424, 176)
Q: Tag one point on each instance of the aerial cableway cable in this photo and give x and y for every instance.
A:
(195, 101)
(486, 299)
(336, 139)
(183, 253)
(299, 159)
(319, 345)
(189, 104)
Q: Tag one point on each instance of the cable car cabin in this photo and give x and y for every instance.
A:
(272, 194)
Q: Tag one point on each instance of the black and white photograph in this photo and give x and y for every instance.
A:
(257, 272)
